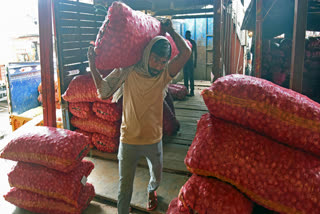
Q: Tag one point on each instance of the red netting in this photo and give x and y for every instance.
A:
(98, 125)
(178, 92)
(124, 35)
(40, 204)
(276, 176)
(54, 148)
(105, 144)
(80, 109)
(208, 195)
(277, 112)
(111, 112)
(176, 207)
(88, 134)
(49, 182)
(82, 89)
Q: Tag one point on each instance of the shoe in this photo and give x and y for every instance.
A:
(152, 204)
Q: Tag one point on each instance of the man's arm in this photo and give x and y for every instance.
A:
(194, 45)
(177, 63)
(107, 86)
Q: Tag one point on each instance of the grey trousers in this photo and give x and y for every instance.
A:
(128, 156)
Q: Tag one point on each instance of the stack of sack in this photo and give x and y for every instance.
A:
(98, 119)
(264, 140)
(50, 175)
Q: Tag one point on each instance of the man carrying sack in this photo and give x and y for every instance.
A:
(143, 87)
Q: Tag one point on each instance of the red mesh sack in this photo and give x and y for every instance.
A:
(40, 204)
(178, 92)
(204, 195)
(170, 124)
(272, 110)
(97, 125)
(111, 112)
(278, 177)
(88, 134)
(54, 148)
(104, 143)
(124, 35)
(176, 207)
(49, 182)
(80, 109)
(82, 89)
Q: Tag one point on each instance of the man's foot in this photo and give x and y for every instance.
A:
(191, 94)
(152, 201)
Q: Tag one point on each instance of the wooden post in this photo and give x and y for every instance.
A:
(258, 39)
(46, 61)
(217, 35)
(298, 44)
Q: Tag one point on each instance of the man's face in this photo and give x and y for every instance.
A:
(188, 35)
(156, 64)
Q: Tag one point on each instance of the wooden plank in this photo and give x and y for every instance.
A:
(74, 59)
(189, 113)
(78, 52)
(79, 7)
(298, 45)
(82, 23)
(105, 178)
(171, 140)
(81, 16)
(218, 25)
(76, 44)
(76, 30)
(46, 61)
(258, 40)
(74, 38)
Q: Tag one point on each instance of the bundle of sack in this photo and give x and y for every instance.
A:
(50, 175)
(262, 139)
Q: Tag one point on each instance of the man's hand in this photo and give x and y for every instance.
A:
(166, 26)
(91, 55)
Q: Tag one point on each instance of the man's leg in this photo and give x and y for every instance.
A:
(154, 157)
(128, 159)
(186, 78)
(191, 71)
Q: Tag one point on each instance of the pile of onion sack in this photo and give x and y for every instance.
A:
(261, 138)
(50, 175)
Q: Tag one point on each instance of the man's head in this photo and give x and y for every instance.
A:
(188, 34)
(159, 56)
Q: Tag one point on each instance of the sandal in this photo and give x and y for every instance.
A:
(152, 203)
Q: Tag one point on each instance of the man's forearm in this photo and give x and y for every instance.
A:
(97, 78)
(180, 42)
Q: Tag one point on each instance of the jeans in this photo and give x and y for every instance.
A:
(128, 156)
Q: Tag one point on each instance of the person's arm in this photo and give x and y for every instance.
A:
(195, 53)
(177, 63)
(108, 85)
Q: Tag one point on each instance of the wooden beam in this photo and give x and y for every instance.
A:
(298, 44)
(46, 61)
(186, 11)
(258, 39)
(217, 36)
